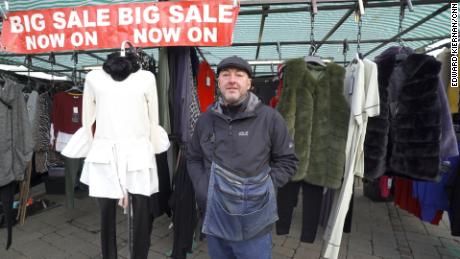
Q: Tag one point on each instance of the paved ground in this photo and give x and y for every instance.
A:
(380, 230)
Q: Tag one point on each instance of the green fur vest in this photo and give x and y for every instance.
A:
(317, 114)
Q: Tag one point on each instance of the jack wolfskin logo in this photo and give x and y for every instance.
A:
(243, 133)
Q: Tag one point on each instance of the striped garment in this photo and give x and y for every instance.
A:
(41, 133)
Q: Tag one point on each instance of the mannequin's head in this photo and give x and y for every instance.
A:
(119, 68)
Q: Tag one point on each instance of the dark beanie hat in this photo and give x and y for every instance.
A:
(234, 62)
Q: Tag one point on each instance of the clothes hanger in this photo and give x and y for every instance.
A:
(43, 87)
(28, 63)
(401, 56)
(132, 50)
(315, 60)
(75, 89)
(346, 48)
(358, 18)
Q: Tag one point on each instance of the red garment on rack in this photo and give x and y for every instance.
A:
(206, 85)
(66, 113)
(275, 99)
(404, 199)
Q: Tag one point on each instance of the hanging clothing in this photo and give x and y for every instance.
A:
(275, 99)
(349, 216)
(32, 103)
(265, 88)
(371, 109)
(164, 104)
(361, 92)
(194, 102)
(412, 84)
(326, 206)
(181, 90)
(183, 205)
(195, 63)
(455, 204)
(147, 62)
(7, 198)
(413, 90)
(163, 89)
(316, 115)
(160, 200)
(287, 197)
(403, 197)
(206, 85)
(431, 196)
(378, 127)
(65, 118)
(73, 167)
(453, 194)
(120, 157)
(41, 133)
(16, 143)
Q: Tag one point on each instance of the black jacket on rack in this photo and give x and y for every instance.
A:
(412, 115)
(183, 205)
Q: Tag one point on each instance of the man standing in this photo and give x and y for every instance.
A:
(240, 152)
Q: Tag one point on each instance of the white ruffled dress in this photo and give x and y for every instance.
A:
(120, 157)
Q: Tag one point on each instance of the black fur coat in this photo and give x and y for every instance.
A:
(405, 138)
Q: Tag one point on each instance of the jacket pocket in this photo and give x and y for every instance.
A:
(100, 154)
(141, 157)
(137, 163)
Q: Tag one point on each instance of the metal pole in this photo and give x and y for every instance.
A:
(333, 42)
(373, 4)
(265, 8)
(434, 14)
(47, 61)
(336, 27)
(95, 56)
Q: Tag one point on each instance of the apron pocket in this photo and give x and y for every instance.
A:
(237, 205)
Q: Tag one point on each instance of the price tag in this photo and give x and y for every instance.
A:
(75, 115)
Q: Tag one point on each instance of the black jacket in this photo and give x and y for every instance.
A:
(255, 138)
(405, 138)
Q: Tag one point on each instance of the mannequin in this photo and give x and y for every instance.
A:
(120, 150)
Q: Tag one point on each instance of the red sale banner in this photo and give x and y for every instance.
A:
(185, 23)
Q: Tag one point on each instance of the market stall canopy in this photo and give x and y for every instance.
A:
(279, 30)
(22, 70)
